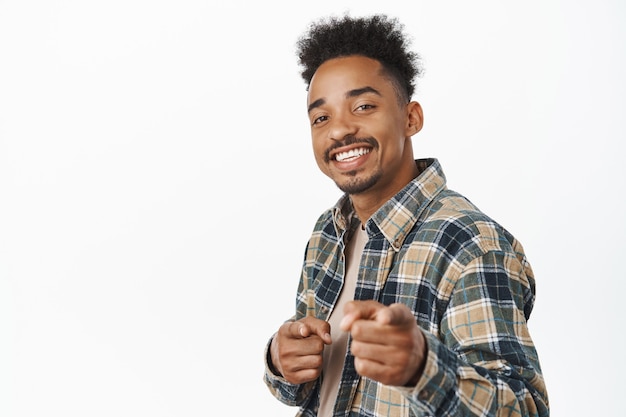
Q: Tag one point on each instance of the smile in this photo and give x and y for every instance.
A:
(351, 154)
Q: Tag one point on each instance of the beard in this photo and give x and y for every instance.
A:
(355, 185)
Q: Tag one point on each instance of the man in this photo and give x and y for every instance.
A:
(411, 301)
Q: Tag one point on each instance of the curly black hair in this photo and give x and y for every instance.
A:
(378, 37)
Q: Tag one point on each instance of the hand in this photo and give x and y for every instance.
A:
(387, 344)
(297, 348)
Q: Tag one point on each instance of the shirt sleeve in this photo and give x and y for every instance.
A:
(483, 362)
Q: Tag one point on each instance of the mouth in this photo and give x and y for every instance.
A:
(350, 149)
(351, 155)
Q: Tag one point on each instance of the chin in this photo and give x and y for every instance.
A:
(357, 185)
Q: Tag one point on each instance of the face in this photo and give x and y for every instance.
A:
(360, 130)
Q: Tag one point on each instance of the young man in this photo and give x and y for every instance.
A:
(411, 301)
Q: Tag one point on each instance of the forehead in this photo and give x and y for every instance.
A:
(340, 75)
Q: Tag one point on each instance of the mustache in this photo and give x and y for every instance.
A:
(350, 140)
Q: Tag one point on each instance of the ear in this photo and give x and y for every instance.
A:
(415, 118)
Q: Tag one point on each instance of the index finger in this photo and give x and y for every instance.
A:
(359, 310)
(396, 315)
(310, 326)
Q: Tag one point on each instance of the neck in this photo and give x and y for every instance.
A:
(367, 203)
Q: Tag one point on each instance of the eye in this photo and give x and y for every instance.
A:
(319, 120)
(363, 107)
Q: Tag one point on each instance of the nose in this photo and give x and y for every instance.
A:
(342, 125)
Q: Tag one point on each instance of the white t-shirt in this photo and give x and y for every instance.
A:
(335, 353)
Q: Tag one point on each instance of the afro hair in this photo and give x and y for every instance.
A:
(378, 37)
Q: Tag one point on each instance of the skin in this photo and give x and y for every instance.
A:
(351, 97)
(354, 107)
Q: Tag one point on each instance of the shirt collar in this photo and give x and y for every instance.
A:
(396, 217)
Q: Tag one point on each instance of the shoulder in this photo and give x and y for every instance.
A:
(456, 225)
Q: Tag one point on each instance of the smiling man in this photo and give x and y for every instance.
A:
(411, 300)
(362, 131)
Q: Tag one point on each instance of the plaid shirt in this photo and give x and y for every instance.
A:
(469, 285)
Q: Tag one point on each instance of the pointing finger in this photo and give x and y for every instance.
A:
(359, 310)
(395, 315)
(309, 327)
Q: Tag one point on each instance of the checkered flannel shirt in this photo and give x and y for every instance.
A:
(469, 285)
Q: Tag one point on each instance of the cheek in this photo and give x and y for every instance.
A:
(395, 141)
(319, 151)
(319, 147)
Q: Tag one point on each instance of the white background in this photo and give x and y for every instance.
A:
(157, 188)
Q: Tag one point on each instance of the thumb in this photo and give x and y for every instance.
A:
(395, 315)
(359, 310)
(313, 326)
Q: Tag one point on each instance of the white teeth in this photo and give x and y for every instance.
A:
(351, 154)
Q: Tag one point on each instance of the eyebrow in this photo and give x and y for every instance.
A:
(350, 94)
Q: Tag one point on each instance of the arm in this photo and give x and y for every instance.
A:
(293, 375)
(484, 361)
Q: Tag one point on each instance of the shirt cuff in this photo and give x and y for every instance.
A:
(436, 379)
